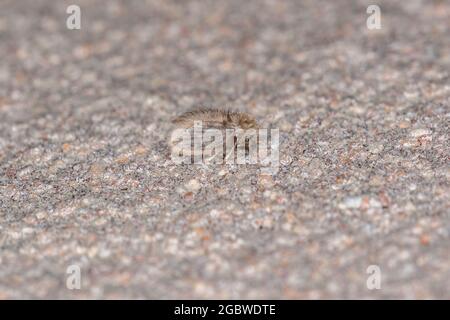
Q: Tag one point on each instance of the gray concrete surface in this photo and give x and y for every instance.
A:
(86, 178)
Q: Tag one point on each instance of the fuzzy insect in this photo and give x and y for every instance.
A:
(217, 118)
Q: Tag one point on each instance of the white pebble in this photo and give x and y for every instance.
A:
(193, 185)
(420, 132)
(351, 203)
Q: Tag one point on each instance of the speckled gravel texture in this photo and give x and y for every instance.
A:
(85, 170)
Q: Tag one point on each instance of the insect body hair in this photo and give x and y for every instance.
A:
(216, 118)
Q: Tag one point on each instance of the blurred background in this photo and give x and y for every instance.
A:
(86, 178)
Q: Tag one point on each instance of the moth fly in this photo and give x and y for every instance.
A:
(217, 118)
(222, 120)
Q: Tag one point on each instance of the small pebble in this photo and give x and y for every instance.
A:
(193, 185)
(420, 132)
